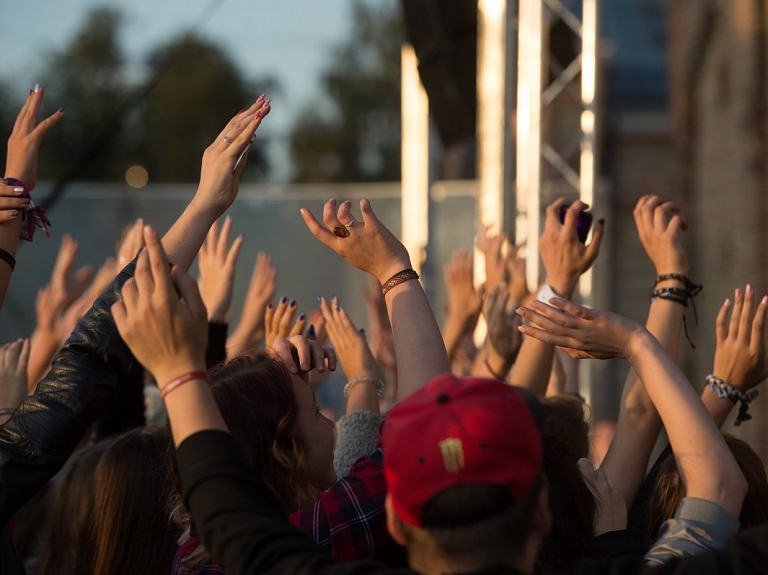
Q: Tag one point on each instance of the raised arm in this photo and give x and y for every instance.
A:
(707, 467)
(658, 226)
(370, 246)
(21, 166)
(739, 357)
(464, 301)
(565, 258)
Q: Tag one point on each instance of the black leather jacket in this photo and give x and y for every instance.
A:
(48, 425)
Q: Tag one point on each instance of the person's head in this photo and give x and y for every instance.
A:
(275, 417)
(565, 417)
(110, 508)
(669, 490)
(463, 461)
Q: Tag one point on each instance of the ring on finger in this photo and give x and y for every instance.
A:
(227, 139)
(340, 231)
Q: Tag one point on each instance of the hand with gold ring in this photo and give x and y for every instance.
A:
(372, 248)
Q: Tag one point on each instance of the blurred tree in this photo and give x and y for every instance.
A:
(352, 132)
(198, 91)
(87, 78)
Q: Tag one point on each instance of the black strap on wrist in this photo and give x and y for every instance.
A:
(679, 295)
(8, 258)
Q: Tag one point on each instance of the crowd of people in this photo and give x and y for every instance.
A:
(137, 435)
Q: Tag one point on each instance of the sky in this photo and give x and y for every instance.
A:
(288, 40)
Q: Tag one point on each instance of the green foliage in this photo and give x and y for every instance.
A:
(356, 136)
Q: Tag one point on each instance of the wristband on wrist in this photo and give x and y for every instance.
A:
(397, 279)
(678, 295)
(181, 380)
(8, 258)
(32, 216)
(546, 292)
(723, 390)
(377, 381)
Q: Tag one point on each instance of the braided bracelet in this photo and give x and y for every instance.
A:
(678, 295)
(397, 279)
(724, 390)
(377, 381)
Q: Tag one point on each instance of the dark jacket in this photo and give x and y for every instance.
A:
(48, 425)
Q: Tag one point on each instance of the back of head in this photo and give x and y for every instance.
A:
(131, 526)
(572, 537)
(669, 490)
(67, 548)
(565, 418)
(462, 460)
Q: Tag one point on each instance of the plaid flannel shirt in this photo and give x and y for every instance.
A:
(348, 519)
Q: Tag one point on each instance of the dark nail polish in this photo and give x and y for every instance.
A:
(302, 316)
(241, 111)
(319, 299)
(60, 111)
(311, 331)
(283, 299)
(293, 303)
(338, 308)
(601, 221)
(269, 305)
(362, 330)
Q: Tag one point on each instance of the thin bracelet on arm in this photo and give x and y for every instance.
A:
(181, 380)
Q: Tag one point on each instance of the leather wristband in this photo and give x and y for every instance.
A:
(397, 279)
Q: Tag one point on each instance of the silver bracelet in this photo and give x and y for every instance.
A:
(378, 382)
(723, 390)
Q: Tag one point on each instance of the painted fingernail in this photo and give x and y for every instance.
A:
(36, 89)
(338, 308)
(31, 92)
(764, 300)
(601, 221)
(260, 98)
(333, 297)
(319, 299)
(362, 330)
(293, 303)
(18, 190)
(13, 213)
(302, 316)
(268, 102)
(727, 302)
(257, 116)
(60, 111)
(283, 299)
(241, 111)
(311, 331)
(748, 290)
(269, 305)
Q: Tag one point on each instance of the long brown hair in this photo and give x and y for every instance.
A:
(255, 394)
(669, 490)
(110, 509)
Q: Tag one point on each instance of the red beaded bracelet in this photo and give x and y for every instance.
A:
(181, 380)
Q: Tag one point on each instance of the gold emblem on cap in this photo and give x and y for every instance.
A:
(453, 454)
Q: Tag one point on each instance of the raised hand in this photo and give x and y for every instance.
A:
(167, 335)
(217, 262)
(24, 142)
(130, 243)
(302, 355)
(659, 224)
(350, 344)
(250, 329)
(368, 244)
(582, 333)
(504, 339)
(493, 246)
(279, 320)
(218, 183)
(740, 354)
(464, 302)
(565, 258)
(13, 376)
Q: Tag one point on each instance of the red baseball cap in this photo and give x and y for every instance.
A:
(454, 432)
